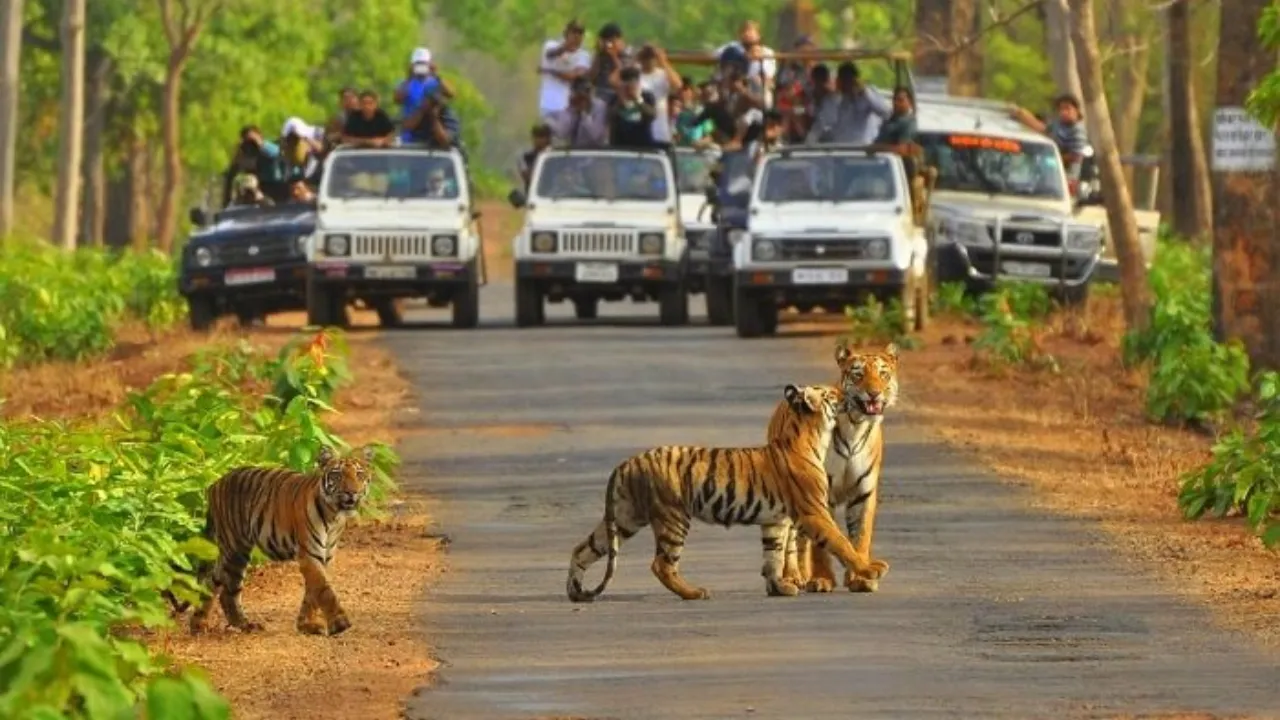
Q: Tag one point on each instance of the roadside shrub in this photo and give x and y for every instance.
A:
(1192, 378)
(952, 299)
(1244, 471)
(56, 305)
(99, 520)
(874, 322)
(1011, 316)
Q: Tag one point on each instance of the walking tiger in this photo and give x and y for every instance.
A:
(772, 486)
(288, 515)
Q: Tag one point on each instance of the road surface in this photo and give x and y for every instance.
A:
(991, 610)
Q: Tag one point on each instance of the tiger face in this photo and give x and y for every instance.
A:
(869, 379)
(344, 480)
(826, 400)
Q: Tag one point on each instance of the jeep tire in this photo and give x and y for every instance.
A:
(530, 309)
(673, 305)
(754, 313)
(719, 301)
(389, 313)
(325, 306)
(586, 308)
(466, 303)
(200, 312)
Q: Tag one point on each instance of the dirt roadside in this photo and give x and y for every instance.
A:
(382, 569)
(1079, 439)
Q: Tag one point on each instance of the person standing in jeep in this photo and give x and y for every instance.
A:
(612, 54)
(632, 113)
(260, 158)
(562, 62)
(1067, 131)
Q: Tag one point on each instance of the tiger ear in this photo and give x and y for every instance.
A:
(843, 353)
(891, 350)
(326, 455)
(813, 399)
(790, 393)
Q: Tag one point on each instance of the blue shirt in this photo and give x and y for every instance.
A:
(416, 90)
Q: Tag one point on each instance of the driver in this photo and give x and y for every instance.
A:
(437, 186)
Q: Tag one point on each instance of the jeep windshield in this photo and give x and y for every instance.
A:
(603, 177)
(994, 165)
(693, 171)
(390, 175)
(827, 178)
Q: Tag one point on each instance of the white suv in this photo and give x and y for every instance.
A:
(394, 223)
(600, 224)
(827, 226)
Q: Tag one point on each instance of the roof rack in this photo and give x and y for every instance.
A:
(962, 102)
(711, 57)
(398, 146)
(868, 150)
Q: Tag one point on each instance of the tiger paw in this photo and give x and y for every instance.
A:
(249, 626)
(861, 584)
(820, 585)
(876, 569)
(782, 588)
(339, 625)
(311, 627)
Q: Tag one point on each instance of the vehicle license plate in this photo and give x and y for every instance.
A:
(391, 272)
(1027, 269)
(596, 272)
(819, 276)
(250, 276)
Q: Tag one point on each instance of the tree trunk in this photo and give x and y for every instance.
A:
(167, 219)
(796, 18)
(70, 126)
(964, 67)
(1062, 56)
(933, 33)
(10, 61)
(1133, 91)
(1193, 212)
(1120, 218)
(139, 199)
(1246, 272)
(93, 226)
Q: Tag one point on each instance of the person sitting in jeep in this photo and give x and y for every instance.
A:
(261, 158)
(1067, 130)
(248, 192)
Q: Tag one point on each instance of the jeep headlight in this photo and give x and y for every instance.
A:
(736, 235)
(543, 242)
(203, 256)
(1084, 239)
(651, 244)
(877, 249)
(444, 245)
(764, 250)
(966, 233)
(337, 244)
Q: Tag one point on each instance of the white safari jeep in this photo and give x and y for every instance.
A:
(827, 226)
(1001, 206)
(394, 223)
(600, 224)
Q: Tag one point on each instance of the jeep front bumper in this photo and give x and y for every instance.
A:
(985, 265)
(404, 278)
(588, 274)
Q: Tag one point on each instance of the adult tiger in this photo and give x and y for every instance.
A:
(870, 381)
(288, 515)
(774, 486)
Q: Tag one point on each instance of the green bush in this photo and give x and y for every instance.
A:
(876, 322)
(1192, 377)
(56, 305)
(1010, 315)
(99, 520)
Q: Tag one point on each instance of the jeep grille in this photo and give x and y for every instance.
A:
(834, 249)
(397, 245)
(598, 242)
(1039, 238)
(258, 250)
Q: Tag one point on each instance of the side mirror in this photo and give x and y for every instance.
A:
(475, 214)
(198, 217)
(517, 198)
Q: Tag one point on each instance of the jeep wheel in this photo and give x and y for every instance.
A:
(529, 308)
(720, 301)
(200, 312)
(466, 304)
(748, 315)
(389, 313)
(325, 307)
(673, 305)
(586, 308)
(1073, 296)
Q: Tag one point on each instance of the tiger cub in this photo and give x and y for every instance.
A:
(870, 381)
(288, 515)
(773, 486)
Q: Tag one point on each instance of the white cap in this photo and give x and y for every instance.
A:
(303, 129)
(421, 55)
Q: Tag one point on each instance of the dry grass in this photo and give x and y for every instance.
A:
(1080, 439)
(382, 567)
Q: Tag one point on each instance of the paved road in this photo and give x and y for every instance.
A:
(992, 610)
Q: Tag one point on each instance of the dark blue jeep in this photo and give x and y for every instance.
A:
(728, 199)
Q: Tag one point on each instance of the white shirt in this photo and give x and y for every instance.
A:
(554, 93)
(659, 84)
(768, 64)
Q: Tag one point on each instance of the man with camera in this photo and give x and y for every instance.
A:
(585, 122)
(260, 158)
(434, 124)
(562, 62)
(852, 114)
(612, 54)
(370, 126)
